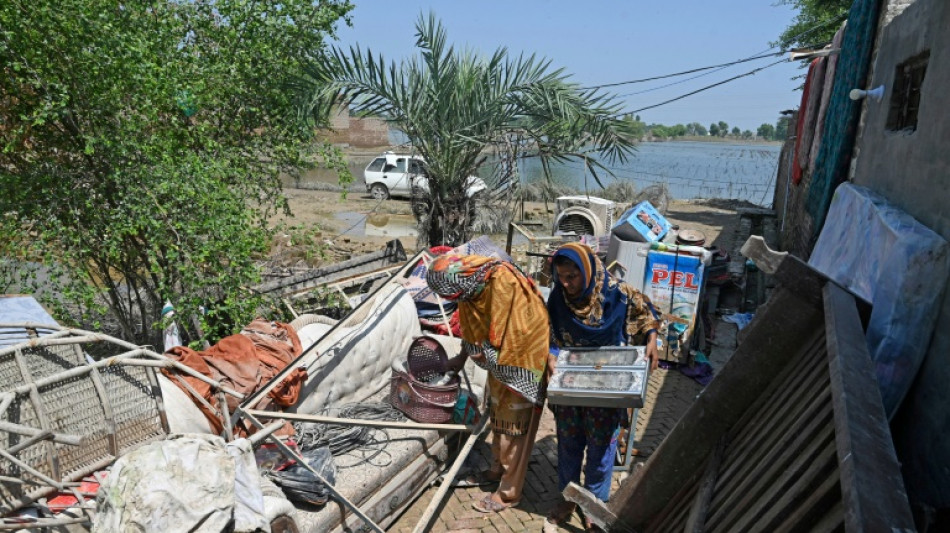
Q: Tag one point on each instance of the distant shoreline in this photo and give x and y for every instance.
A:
(371, 152)
(711, 139)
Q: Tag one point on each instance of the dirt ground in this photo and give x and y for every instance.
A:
(324, 217)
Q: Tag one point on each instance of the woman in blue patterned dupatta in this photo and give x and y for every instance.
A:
(588, 307)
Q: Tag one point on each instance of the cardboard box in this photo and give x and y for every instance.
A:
(642, 223)
(674, 284)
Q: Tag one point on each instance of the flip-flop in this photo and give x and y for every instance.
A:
(488, 505)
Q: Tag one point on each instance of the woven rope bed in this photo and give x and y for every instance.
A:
(63, 416)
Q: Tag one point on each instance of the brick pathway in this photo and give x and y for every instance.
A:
(669, 394)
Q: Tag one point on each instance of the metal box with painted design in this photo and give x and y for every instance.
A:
(610, 376)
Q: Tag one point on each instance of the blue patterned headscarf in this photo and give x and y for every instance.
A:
(607, 313)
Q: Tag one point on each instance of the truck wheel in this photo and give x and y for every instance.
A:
(379, 191)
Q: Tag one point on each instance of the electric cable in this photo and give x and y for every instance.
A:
(706, 88)
(758, 55)
(343, 440)
(675, 74)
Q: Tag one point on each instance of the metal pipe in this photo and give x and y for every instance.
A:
(264, 433)
(303, 462)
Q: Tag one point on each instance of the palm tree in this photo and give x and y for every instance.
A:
(454, 106)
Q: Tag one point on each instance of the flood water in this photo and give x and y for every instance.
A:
(378, 225)
(688, 169)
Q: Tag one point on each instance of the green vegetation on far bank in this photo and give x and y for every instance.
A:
(717, 130)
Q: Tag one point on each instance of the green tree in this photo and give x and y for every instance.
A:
(636, 127)
(678, 130)
(766, 131)
(747, 134)
(816, 22)
(723, 129)
(142, 144)
(695, 128)
(736, 132)
(660, 131)
(714, 129)
(781, 129)
(455, 104)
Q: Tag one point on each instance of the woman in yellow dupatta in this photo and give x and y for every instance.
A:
(505, 330)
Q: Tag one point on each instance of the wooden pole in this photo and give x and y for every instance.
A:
(423, 524)
(303, 462)
(355, 421)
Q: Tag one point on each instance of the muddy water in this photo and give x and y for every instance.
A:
(377, 225)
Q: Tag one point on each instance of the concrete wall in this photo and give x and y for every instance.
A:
(795, 224)
(912, 170)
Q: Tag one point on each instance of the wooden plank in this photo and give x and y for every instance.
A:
(673, 513)
(387, 504)
(439, 498)
(774, 336)
(393, 253)
(780, 409)
(787, 269)
(764, 482)
(871, 482)
(831, 522)
(704, 493)
(772, 455)
(792, 483)
(594, 509)
(795, 377)
(802, 503)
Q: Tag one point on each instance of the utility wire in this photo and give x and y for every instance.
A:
(721, 65)
(734, 78)
(758, 55)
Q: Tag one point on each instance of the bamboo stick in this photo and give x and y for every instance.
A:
(302, 462)
(356, 421)
(29, 469)
(423, 524)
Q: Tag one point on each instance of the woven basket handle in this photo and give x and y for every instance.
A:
(428, 401)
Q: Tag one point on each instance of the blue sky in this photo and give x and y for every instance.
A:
(611, 41)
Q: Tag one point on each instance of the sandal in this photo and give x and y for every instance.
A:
(488, 505)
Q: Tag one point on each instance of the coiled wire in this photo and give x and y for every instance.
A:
(367, 442)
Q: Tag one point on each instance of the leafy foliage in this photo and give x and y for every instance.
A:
(781, 128)
(816, 22)
(454, 104)
(141, 146)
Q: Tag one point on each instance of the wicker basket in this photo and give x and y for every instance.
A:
(426, 358)
(418, 400)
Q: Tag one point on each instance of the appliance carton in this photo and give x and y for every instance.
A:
(642, 223)
(673, 283)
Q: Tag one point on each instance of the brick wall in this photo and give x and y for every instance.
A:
(354, 131)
